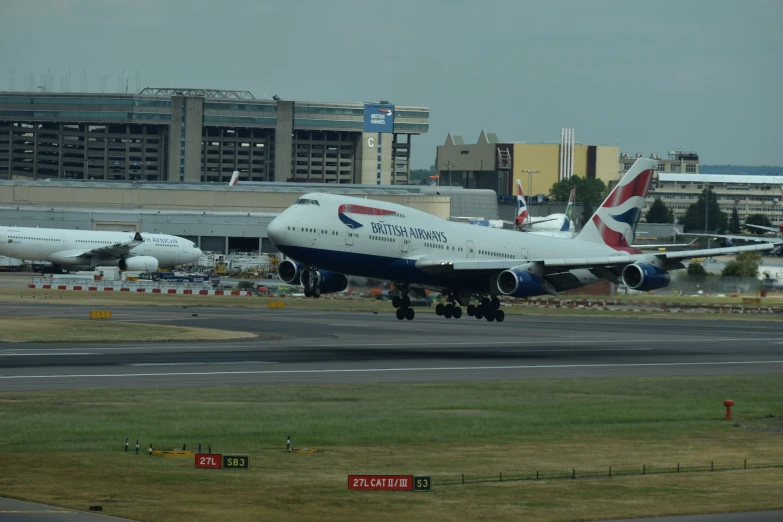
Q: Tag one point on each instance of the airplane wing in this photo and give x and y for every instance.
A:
(768, 229)
(670, 245)
(117, 250)
(534, 221)
(669, 260)
(733, 238)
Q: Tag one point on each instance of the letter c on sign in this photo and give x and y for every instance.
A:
(371, 142)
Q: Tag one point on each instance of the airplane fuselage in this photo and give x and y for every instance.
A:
(62, 246)
(382, 240)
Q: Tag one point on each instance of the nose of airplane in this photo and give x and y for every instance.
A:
(275, 230)
(197, 251)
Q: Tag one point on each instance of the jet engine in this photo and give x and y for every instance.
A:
(328, 282)
(640, 276)
(517, 283)
(289, 272)
(139, 264)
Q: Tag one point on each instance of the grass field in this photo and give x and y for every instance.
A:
(65, 448)
(35, 330)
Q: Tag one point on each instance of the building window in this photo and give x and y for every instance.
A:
(627, 166)
(690, 168)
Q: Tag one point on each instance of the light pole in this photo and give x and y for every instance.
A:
(86, 170)
(530, 187)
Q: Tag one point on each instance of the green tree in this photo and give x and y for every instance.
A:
(587, 212)
(746, 264)
(760, 220)
(696, 270)
(588, 190)
(659, 213)
(693, 220)
(734, 222)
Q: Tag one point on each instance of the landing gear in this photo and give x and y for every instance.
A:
(450, 309)
(311, 281)
(489, 309)
(403, 305)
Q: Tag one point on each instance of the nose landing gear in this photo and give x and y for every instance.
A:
(311, 281)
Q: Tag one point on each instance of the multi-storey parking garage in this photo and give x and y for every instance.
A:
(197, 135)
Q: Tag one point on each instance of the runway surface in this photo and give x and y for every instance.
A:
(20, 511)
(358, 347)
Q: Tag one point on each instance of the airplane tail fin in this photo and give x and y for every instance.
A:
(569, 212)
(234, 179)
(614, 223)
(521, 206)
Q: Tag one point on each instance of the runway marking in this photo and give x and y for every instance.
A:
(298, 342)
(378, 370)
(200, 363)
(3, 354)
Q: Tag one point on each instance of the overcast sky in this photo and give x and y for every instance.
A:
(649, 76)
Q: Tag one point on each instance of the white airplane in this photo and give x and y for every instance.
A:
(558, 225)
(534, 224)
(329, 236)
(76, 249)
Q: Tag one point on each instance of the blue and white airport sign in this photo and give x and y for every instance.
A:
(378, 118)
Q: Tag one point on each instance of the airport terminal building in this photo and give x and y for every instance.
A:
(202, 135)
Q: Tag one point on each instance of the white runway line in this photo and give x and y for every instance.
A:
(378, 370)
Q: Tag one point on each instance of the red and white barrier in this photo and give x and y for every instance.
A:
(141, 290)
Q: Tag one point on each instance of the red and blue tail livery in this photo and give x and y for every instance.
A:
(614, 223)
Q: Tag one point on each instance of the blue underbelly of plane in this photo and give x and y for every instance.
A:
(378, 267)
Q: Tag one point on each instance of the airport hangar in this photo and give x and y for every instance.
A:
(493, 164)
(198, 135)
(217, 217)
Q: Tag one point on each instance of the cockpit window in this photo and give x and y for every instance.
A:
(305, 201)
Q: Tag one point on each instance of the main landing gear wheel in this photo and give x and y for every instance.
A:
(403, 305)
(448, 311)
(471, 310)
(307, 292)
(490, 316)
(495, 303)
(479, 313)
(440, 309)
(457, 313)
(500, 315)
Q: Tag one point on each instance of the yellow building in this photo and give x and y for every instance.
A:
(491, 164)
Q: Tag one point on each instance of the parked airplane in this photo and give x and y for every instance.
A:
(558, 225)
(327, 236)
(141, 252)
(523, 218)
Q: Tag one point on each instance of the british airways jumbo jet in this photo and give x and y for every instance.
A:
(329, 236)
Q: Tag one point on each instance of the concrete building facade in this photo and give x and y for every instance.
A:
(200, 135)
(682, 162)
(492, 164)
(748, 194)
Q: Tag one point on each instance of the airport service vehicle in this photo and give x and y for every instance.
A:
(78, 249)
(329, 236)
(9, 264)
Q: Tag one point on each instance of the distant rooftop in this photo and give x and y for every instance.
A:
(739, 179)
